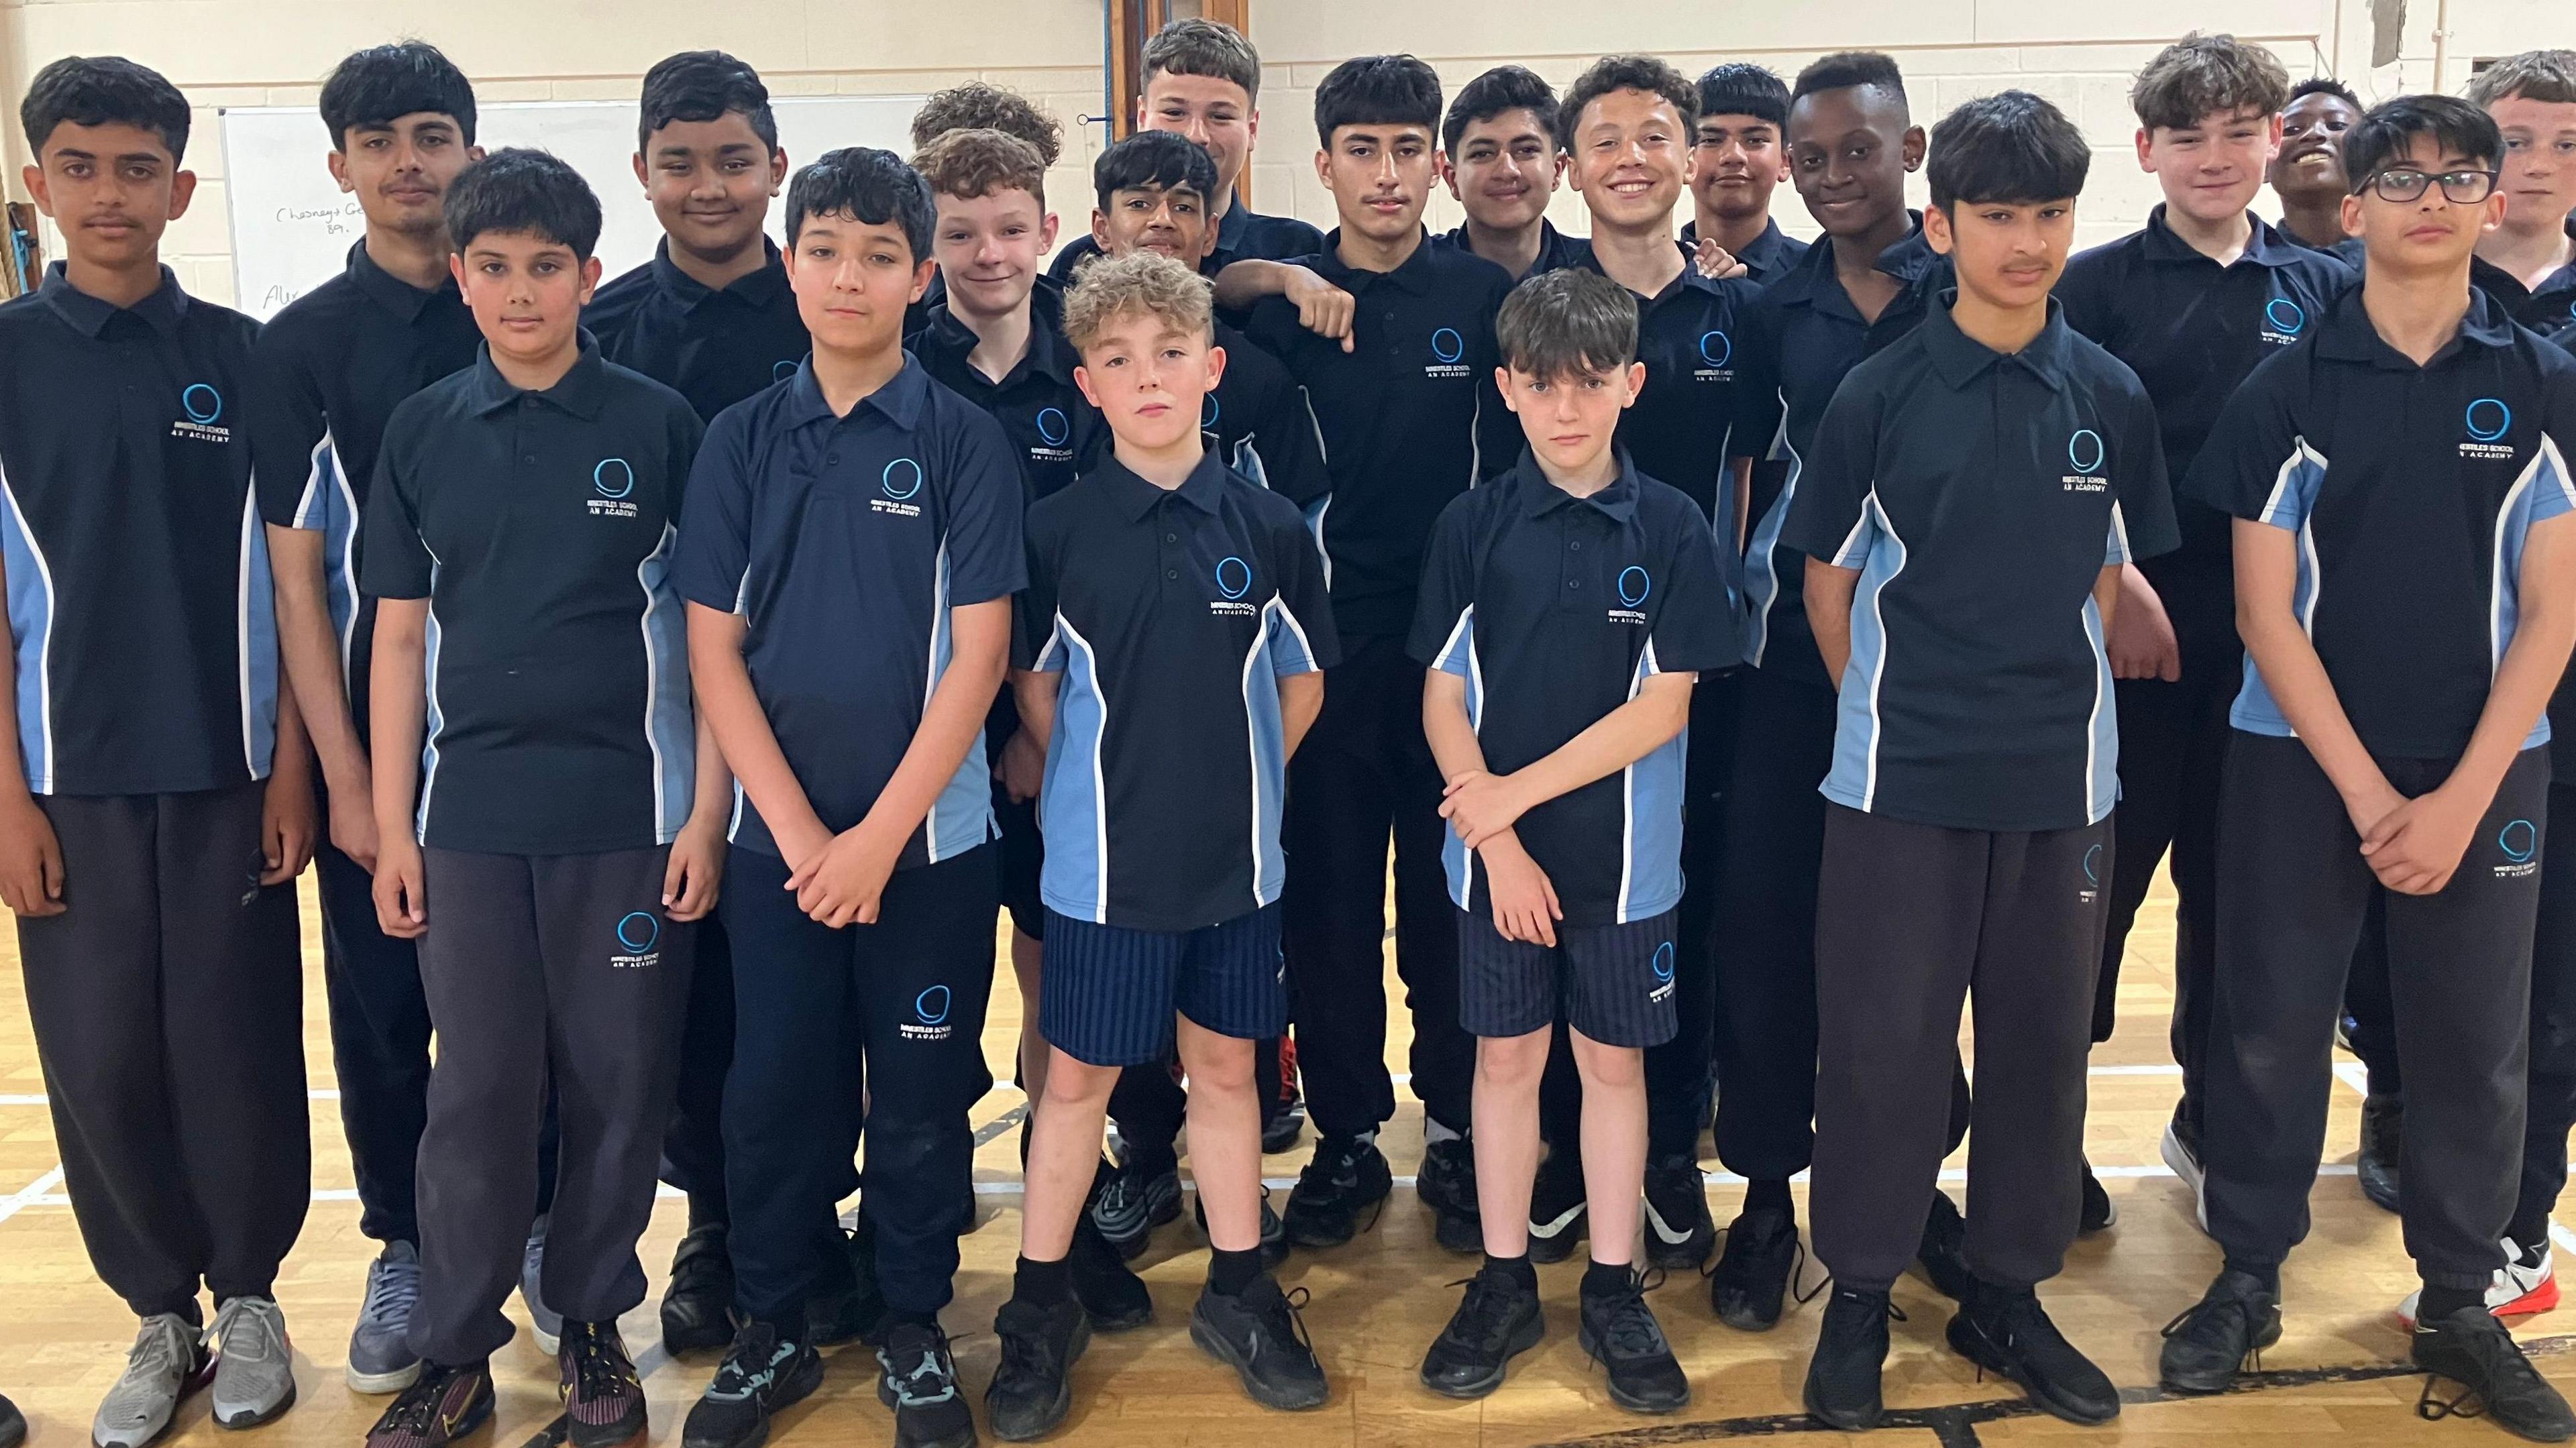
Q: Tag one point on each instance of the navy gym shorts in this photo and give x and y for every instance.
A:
(1614, 982)
(1107, 994)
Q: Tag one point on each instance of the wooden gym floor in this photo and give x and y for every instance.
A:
(1377, 1303)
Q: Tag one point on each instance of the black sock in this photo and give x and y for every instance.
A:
(706, 1209)
(1769, 1195)
(1988, 1294)
(1044, 1283)
(1516, 1268)
(1150, 1161)
(1603, 1279)
(2530, 1239)
(1229, 1273)
(899, 1317)
(2443, 1301)
(2267, 1273)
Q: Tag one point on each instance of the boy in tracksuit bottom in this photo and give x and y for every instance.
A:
(1976, 489)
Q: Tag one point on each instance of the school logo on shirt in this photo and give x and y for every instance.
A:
(1208, 414)
(202, 404)
(2488, 421)
(2091, 889)
(2520, 844)
(613, 479)
(1233, 580)
(2085, 453)
(785, 369)
(2283, 321)
(638, 932)
(1632, 586)
(1054, 430)
(900, 482)
(1448, 351)
(1663, 967)
(929, 1017)
(1716, 351)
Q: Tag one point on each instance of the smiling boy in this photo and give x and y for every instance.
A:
(2306, 171)
(1739, 156)
(1500, 159)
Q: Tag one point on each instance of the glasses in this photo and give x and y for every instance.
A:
(2460, 188)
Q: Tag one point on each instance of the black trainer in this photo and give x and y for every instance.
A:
(1619, 1330)
(2383, 1142)
(2098, 1214)
(1108, 1289)
(1447, 1185)
(1751, 1280)
(1347, 1174)
(2473, 1349)
(1942, 1254)
(1679, 1230)
(1498, 1321)
(919, 1381)
(1132, 1203)
(2208, 1344)
(1558, 1216)
(1274, 1233)
(1281, 1124)
(759, 1375)
(602, 1396)
(849, 1305)
(1262, 1336)
(442, 1405)
(697, 1306)
(1851, 1348)
(2008, 1332)
(1033, 1387)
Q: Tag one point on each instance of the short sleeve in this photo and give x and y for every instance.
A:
(296, 475)
(1756, 425)
(2087, 292)
(1829, 516)
(1301, 635)
(395, 562)
(714, 547)
(1697, 627)
(2142, 510)
(2257, 464)
(984, 497)
(1443, 627)
(2553, 489)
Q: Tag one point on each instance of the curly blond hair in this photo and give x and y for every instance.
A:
(1147, 282)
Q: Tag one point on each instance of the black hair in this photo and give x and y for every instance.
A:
(1163, 160)
(2011, 147)
(1504, 88)
(1627, 72)
(518, 189)
(704, 85)
(1377, 90)
(2387, 131)
(873, 185)
(1741, 88)
(383, 83)
(1567, 322)
(1848, 69)
(103, 90)
(2323, 85)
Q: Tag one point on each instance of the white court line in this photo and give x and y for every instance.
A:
(32, 1193)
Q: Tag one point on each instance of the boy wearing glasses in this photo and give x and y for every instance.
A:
(2389, 748)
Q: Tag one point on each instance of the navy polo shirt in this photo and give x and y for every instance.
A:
(1771, 254)
(1410, 416)
(2410, 489)
(325, 375)
(140, 603)
(540, 527)
(1980, 496)
(1679, 426)
(845, 543)
(1556, 250)
(2347, 251)
(1257, 420)
(1172, 615)
(1055, 433)
(1241, 234)
(2549, 308)
(1801, 338)
(713, 347)
(1556, 610)
(2191, 329)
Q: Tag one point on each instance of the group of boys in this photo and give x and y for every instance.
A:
(1197, 574)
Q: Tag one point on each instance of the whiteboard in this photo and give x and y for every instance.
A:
(292, 227)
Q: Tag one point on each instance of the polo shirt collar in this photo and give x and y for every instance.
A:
(1137, 497)
(2348, 336)
(1812, 278)
(2264, 246)
(2486, 276)
(391, 292)
(1960, 359)
(162, 310)
(1231, 226)
(581, 391)
(901, 399)
(1414, 275)
(1048, 352)
(1539, 497)
(760, 288)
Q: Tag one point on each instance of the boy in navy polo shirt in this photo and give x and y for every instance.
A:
(146, 845)
(2529, 262)
(1974, 491)
(851, 546)
(2307, 171)
(2406, 585)
(1852, 142)
(1166, 593)
(1500, 160)
(1559, 689)
(1739, 155)
(2190, 303)
(1405, 396)
(563, 821)
(326, 373)
(1203, 81)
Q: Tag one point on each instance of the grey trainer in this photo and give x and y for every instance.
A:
(254, 1364)
(166, 1363)
(380, 1357)
(532, 1270)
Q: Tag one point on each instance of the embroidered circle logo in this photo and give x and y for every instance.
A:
(783, 370)
(902, 479)
(1634, 585)
(637, 931)
(1052, 428)
(1447, 345)
(2093, 866)
(2519, 841)
(1664, 961)
(1233, 577)
(613, 478)
(931, 1006)
(2284, 315)
(1207, 414)
(2489, 419)
(2084, 450)
(202, 403)
(1715, 349)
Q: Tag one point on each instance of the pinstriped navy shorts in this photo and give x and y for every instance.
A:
(1107, 994)
(1613, 982)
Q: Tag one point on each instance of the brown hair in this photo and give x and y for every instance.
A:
(2203, 75)
(2547, 76)
(1191, 46)
(982, 106)
(969, 164)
